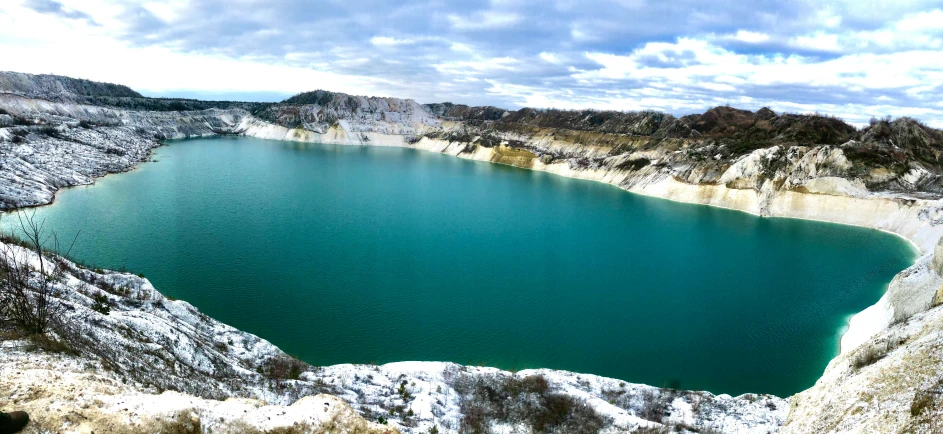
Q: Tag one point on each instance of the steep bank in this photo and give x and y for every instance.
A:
(894, 380)
(886, 177)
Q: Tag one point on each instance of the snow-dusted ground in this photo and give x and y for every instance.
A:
(65, 393)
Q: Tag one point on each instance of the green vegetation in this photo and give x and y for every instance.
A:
(101, 304)
(318, 97)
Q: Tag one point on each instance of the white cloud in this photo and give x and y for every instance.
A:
(872, 71)
(719, 72)
(819, 41)
(580, 33)
(385, 41)
(550, 57)
(719, 87)
(921, 30)
(828, 18)
(471, 67)
(922, 21)
(463, 48)
(83, 50)
(750, 37)
(166, 11)
(483, 20)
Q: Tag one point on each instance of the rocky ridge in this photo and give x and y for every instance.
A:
(885, 176)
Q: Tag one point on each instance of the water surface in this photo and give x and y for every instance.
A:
(371, 255)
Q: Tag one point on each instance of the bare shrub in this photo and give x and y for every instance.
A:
(180, 423)
(654, 406)
(487, 399)
(28, 277)
(50, 344)
(101, 304)
(870, 353)
(866, 356)
(653, 430)
(283, 367)
(922, 402)
(925, 410)
(564, 413)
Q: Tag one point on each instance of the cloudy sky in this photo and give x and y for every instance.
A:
(853, 59)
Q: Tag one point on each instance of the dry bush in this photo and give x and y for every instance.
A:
(871, 352)
(488, 399)
(283, 367)
(180, 423)
(654, 405)
(50, 344)
(926, 409)
(28, 287)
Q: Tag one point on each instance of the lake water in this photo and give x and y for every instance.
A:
(342, 254)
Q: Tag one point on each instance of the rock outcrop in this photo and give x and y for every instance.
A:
(938, 258)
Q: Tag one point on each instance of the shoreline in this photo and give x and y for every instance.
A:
(292, 137)
(850, 337)
(841, 332)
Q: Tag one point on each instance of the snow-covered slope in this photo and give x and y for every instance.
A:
(46, 145)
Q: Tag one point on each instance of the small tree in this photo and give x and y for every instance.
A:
(101, 304)
(28, 278)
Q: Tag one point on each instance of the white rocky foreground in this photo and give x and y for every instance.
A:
(67, 394)
(153, 361)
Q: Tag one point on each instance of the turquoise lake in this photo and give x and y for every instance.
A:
(343, 254)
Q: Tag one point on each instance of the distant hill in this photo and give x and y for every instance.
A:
(59, 88)
(66, 89)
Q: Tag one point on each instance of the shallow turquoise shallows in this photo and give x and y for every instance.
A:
(371, 255)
